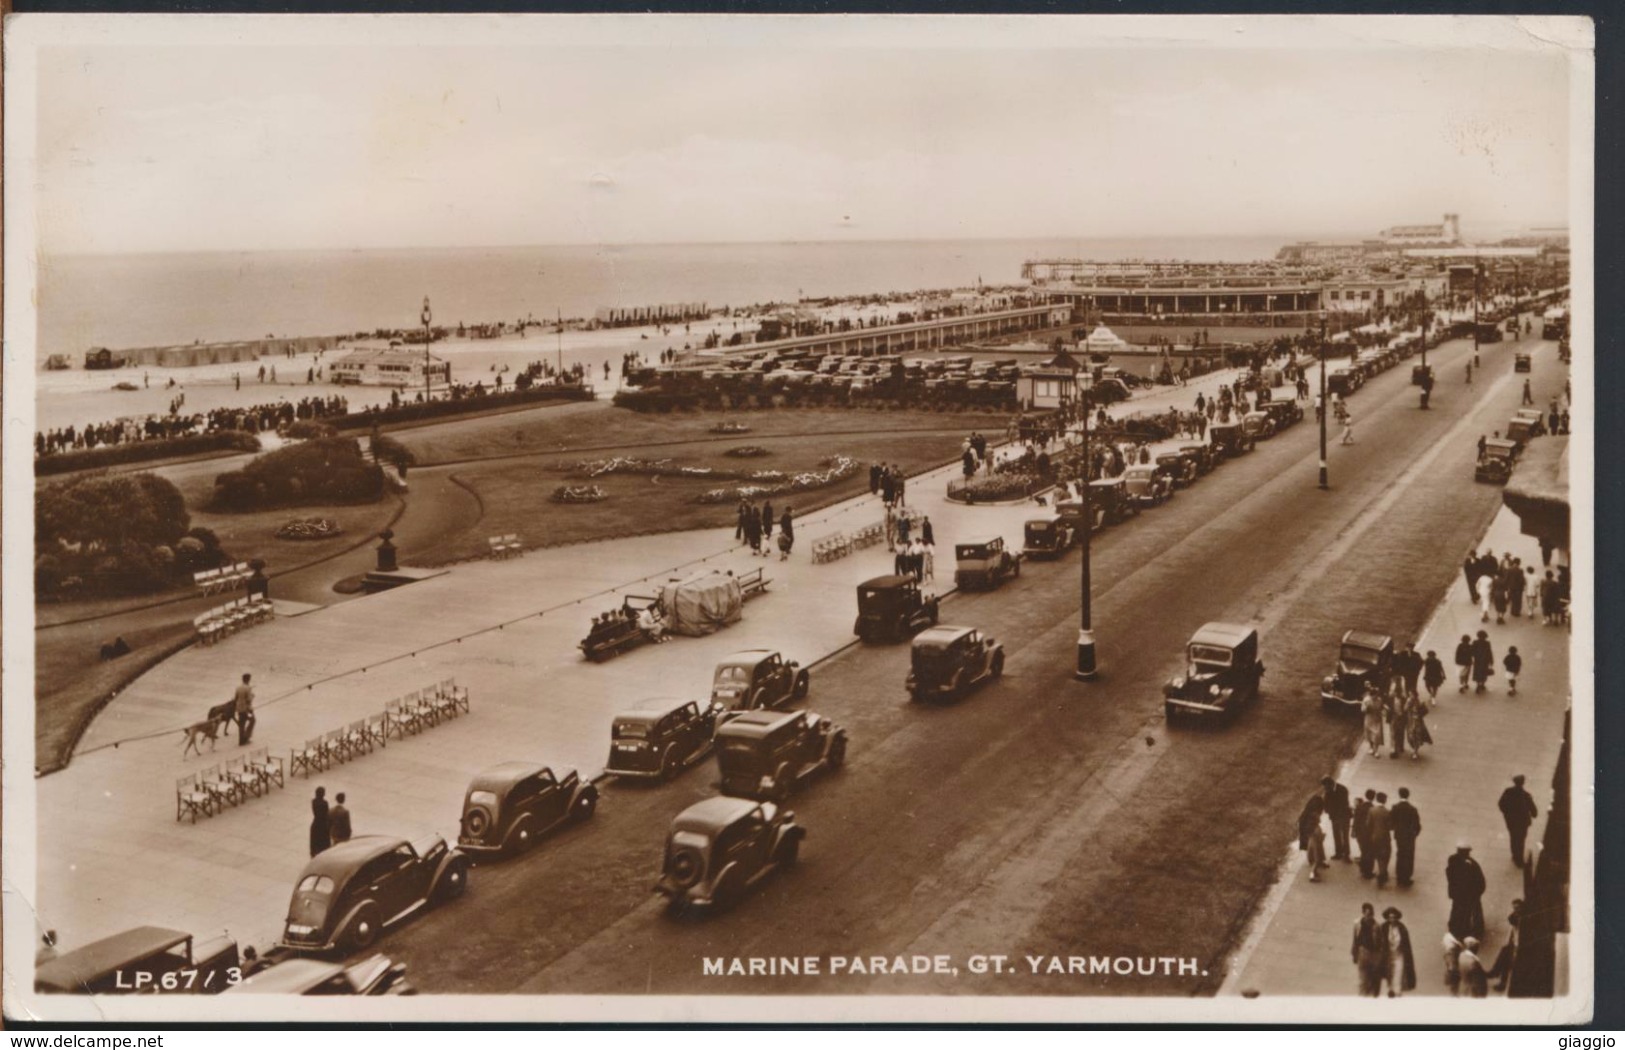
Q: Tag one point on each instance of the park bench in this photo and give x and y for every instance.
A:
(753, 583)
(618, 633)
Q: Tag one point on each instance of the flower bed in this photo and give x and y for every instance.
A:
(579, 494)
(730, 428)
(747, 451)
(309, 529)
(773, 482)
(665, 468)
(994, 488)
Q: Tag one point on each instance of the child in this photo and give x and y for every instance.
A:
(1513, 664)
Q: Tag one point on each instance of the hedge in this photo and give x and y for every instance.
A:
(141, 451)
(413, 412)
(323, 470)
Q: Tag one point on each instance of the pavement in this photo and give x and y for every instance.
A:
(112, 855)
(1299, 942)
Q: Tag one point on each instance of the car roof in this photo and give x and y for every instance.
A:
(507, 774)
(294, 977)
(979, 541)
(1137, 467)
(881, 583)
(1501, 443)
(712, 813)
(747, 657)
(941, 634)
(341, 860)
(652, 709)
(757, 724)
(1228, 635)
(74, 970)
(1105, 482)
(1046, 519)
(1367, 639)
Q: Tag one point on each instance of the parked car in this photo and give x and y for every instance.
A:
(1364, 658)
(1146, 487)
(757, 678)
(1178, 468)
(1343, 382)
(1521, 430)
(348, 893)
(661, 738)
(946, 662)
(1284, 413)
(509, 806)
(768, 754)
(1258, 426)
(1495, 465)
(1419, 373)
(1222, 672)
(1109, 499)
(984, 563)
(719, 848)
(1230, 439)
(1048, 537)
(374, 975)
(892, 608)
(1201, 455)
(146, 959)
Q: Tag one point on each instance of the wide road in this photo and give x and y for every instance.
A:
(1042, 816)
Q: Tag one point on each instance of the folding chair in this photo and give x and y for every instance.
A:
(400, 720)
(190, 799)
(514, 547)
(335, 748)
(357, 741)
(308, 758)
(213, 781)
(377, 729)
(269, 770)
(423, 706)
(243, 779)
(260, 609)
(444, 701)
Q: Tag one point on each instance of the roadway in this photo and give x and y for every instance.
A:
(1042, 816)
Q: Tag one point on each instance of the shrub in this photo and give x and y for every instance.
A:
(104, 511)
(307, 429)
(387, 450)
(322, 470)
(433, 409)
(990, 489)
(141, 451)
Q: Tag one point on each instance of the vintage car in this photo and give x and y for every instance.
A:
(509, 806)
(1364, 658)
(1521, 363)
(661, 738)
(1201, 455)
(1222, 671)
(1048, 537)
(1495, 465)
(1072, 511)
(984, 563)
(146, 959)
(1146, 486)
(757, 678)
(1109, 498)
(1284, 413)
(1259, 426)
(947, 662)
(717, 849)
(1419, 373)
(1230, 439)
(1520, 430)
(1178, 468)
(1342, 382)
(375, 975)
(892, 608)
(768, 754)
(348, 893)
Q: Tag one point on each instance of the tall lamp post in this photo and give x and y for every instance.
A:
(1086, 633)
(1325, 405)
(1476, 265)
(427, 339)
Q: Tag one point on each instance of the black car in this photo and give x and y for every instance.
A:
(146, 959)
(768, 754)
(719, 848)
(1222, 672)
(507, 807)
(1230, 439)
(946, 662)
(891, 608)
(375, 975)
(348, 893)
(661, 738)
(1365, 658)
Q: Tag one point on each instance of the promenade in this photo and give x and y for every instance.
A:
(112, 855)
(1299, 942)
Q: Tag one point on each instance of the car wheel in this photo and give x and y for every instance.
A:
(669, 766)
(781, 784)
(520, 840)
(803, 684)
(454, 883)
(789, 851)
(1169, 713)
(585, 806)
(997, 667)
(1015, 568)
(837, 751)
(363, 930)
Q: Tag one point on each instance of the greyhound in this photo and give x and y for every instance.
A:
(208, 729)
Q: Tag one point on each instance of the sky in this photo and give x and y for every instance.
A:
(341, 134)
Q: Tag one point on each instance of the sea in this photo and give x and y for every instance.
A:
(123, 301)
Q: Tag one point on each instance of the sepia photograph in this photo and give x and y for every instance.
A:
(798, 519)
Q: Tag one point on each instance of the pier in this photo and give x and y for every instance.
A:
(914, 336)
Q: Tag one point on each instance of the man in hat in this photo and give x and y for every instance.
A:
(1465, 882)
(1337, 810)
(1381, 836)
(1518, 810)
(1362, 830)
(1407, 826)
(1366, 951)
(1398, 964)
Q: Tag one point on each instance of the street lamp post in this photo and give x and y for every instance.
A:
(1086, 633)
(427, 339)
(1325, 406)
(1476, 265)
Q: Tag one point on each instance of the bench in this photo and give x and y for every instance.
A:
(753, 583)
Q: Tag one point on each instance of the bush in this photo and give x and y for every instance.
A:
(308, 429)
(141, 451)
(387, 450)
(990, 489)
(322, 470)
(105, 511)
(433, 409)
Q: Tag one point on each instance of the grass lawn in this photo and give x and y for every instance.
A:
(516, 494)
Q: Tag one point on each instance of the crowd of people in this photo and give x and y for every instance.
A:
(251, 418)
(755, 529)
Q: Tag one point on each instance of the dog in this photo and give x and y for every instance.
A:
(208, 729)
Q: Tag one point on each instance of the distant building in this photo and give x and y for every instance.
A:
(622, 316)
(403, 368)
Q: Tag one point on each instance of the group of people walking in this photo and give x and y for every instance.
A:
(755, 529)
(329, 825)
(1500, 587)
(1399, 714)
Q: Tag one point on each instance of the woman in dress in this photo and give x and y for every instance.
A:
(1371, 708)
(1416, 727)
(1398, 964)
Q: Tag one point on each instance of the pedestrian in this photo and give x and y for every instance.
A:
(1398, 711)
(1473, 977)
(1362, 830)
(1312, 836)
(1367, 951)
(339, 820)
(787, 533)
(1371, 708)
(1517, 584)
(1512, 663)
(1464, 660)
(1548, 600)
(874, 472)
(1508, 955)
(900, 482)
(927, 537)
(1381, 834)
(1483, 660)
(904, 525)
(1348, 427)
(1452, 962)
(1500, 597)
(1398, 964)
(1464, 880)
(767, 519)
(753, 529)
(243, 708)
(1518, 810)
(888, 487)
(1337, 810)
(1416, 726)
(739, 529)
(1407, 826)
(928, 559)
(1469, 569)
(321, 835)
(1411, 670)
(1432, 675)
(1486, 592)
(1528, 395)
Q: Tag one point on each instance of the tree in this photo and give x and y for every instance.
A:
(111, 511)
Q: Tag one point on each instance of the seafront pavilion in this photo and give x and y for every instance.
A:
(914, 336)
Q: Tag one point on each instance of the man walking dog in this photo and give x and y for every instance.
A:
(243, 705)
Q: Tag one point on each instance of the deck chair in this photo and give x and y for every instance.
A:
(222, 790)
(357, 741)
(377, 728)
(269, 770)
(335, 748)
(401, 721)
(191, 799)
(308, 758)
(243, 779)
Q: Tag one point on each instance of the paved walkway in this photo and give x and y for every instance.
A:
(112, 855)
(1299, 944)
